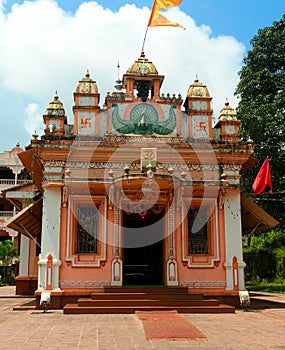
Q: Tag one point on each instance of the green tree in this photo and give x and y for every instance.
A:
(261, 109)
(7, 253)
(265, 256)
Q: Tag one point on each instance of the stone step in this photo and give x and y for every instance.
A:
(75, 309)
(146, 295)
(143, 289)
(88, 302)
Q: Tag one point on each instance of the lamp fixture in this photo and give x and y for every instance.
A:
(51, 128)
(149, 171)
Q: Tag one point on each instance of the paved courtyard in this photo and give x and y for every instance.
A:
(260, 328)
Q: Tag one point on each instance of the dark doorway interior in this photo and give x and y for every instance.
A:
(143, 248)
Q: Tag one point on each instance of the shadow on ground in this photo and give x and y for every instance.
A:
(266, 301)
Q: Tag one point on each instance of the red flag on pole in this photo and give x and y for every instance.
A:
(263, 179)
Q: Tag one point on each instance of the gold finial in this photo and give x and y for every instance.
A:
(249, 140)
(35, 135)
(56, 95)
(87, 75)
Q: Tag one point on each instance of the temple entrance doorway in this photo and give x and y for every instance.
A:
(143, 242)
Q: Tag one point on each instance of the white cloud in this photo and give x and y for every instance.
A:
(44, 48)
(34, 119)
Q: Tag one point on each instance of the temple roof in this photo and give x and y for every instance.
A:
(142, 66)
(227, 112)
(197, 89)
(55, 107)
(87, 85)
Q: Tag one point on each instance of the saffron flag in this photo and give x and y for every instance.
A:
(263, 179)
(157, 19)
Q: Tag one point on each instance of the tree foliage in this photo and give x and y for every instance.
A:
(265, 256)
(7, 253)
(261, 109)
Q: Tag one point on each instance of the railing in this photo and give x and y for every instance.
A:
(13, 182)
(196, 246)
(7, 214)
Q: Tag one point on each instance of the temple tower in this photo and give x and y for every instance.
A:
(86, 107)
(198, 108)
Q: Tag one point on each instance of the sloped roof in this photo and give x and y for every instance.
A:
(28, 221)
(34, 167)
(16, 194)
(254, 218)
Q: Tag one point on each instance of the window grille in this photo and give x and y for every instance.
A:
(197, 231)
(87, 226)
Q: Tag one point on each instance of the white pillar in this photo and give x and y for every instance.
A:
(50, 243)
(24, 247)
(171, 273)
(117, 263)
(233, 239)
(24, 256)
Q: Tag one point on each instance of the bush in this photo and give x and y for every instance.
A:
(280, 262)
(265, 286)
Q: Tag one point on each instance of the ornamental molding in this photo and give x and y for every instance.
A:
(232, 167)
(188, 166)
(91, 260)
(194, 261)
(83, 284)
(143, 139)
(89, 165)
(133, 165)
(54, 163)
(142, 196)
(203, 284)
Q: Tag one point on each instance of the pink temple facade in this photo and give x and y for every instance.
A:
(142, 191)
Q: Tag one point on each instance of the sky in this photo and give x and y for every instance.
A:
(47, 46)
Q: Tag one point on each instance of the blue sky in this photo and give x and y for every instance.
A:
(240, 18)
(47, 45)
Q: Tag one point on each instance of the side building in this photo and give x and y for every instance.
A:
(12, 174)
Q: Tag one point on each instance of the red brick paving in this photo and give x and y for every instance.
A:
(168, 325)
(258, 329)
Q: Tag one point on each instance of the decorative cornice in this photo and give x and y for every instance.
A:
(118, 138)
(122, 165)
(203, 284)
(53, 163)
(232, 167)
(83, 284)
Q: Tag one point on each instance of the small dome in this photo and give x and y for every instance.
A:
(87, 85)
(16, 150)
(197, 89)
(227, 113)
(55, 107)
(142, 66)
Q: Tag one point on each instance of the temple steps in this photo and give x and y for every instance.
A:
(130, 300)
(153, 290)
(144, 302)
(75, 309)
(149, 295)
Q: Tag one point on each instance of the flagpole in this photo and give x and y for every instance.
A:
(144, 38)
(151, 14)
